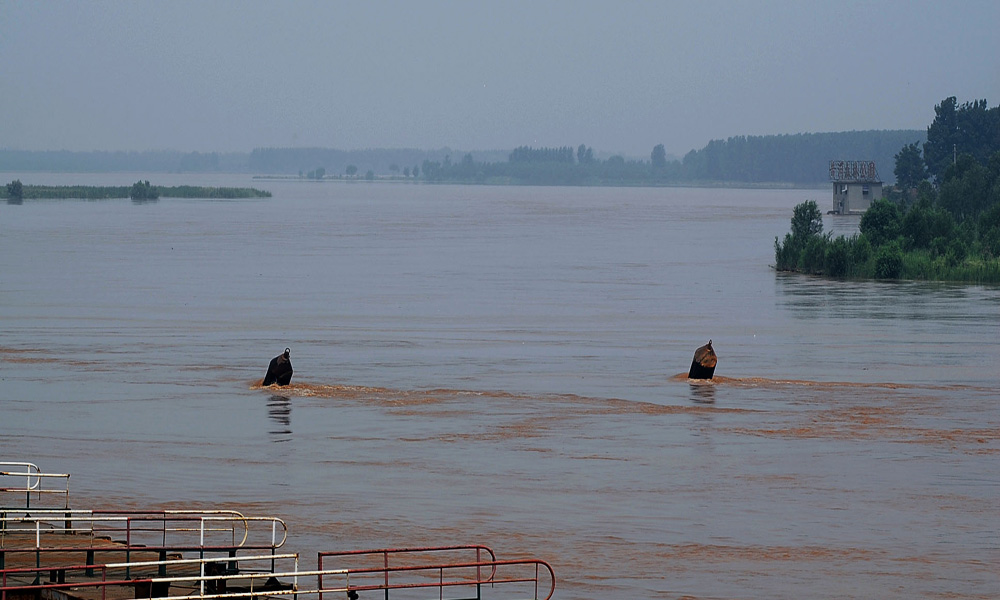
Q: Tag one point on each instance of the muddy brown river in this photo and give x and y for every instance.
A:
(507, 366)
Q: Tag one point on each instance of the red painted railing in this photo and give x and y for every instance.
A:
(427, 573)
(213, 585)
(60, 534)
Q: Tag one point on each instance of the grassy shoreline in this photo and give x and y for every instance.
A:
(921, 243)
(96, 192)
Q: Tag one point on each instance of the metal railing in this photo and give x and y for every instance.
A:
(202, 582)
(239, 529)
(221, 539)
(194, 528)
(34, 479)
(385, 553)
(212, 584)
(456, 574)
(72, 532)
(443, 577)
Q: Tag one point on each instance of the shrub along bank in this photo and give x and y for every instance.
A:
(922, 241)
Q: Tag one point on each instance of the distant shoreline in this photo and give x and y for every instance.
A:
(747, 161)
(93, 192)
(619, 184)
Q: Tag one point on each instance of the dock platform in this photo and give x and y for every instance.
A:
(49, 551)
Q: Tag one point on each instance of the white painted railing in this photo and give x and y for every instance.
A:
(34, 483)
(176, 528)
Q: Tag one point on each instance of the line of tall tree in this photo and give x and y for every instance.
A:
(385, 161)
(541, 166)
(941, 221)
(527, 154)
(800, 159)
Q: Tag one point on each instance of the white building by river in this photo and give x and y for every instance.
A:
(856, 185)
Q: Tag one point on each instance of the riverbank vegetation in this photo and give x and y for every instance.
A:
(139, 191)
(941, 222)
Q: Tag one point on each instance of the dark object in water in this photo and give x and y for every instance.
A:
(703, 365)
(280, 370)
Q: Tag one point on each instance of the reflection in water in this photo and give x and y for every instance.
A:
(920, 300)
(279, 409)
(703, 392)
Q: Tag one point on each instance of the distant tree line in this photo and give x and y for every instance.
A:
(344, 163)
(541, 166)
(799, 159)
(277, 161)
(940, 222)
(107, 162)
(526, 154)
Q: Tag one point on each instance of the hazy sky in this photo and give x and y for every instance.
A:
(616, 75)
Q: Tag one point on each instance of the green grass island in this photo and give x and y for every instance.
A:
(15, 191)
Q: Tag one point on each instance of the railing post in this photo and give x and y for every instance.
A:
(90, 563)
(274, 536)
(319, 574)
(38, 550)
(386, 563)
(201, 555)
(479, 573)
(128, 546)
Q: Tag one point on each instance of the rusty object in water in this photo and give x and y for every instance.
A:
(703, 365)
(279, 370)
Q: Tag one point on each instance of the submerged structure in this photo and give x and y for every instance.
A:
(856, 185)
(279, 370)
(703, 364)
